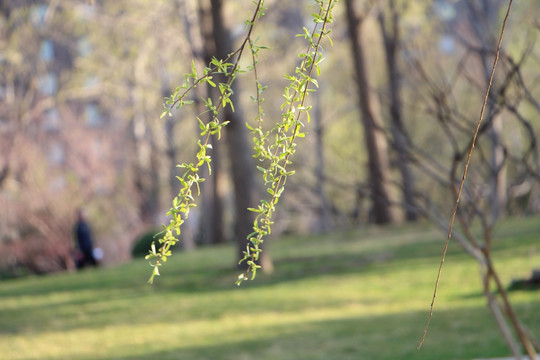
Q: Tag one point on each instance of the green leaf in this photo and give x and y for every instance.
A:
(202, 126)
(241, 278)
(165, 112)
(193, 69)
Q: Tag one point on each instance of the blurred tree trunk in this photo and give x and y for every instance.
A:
(146, 170)
(323, 218)
(483, 17)
(146, 164)
(498, 198)
(375, 140)
(5, 9)
(242, 166)
(391, 41)
(6, 146)
(212, 232)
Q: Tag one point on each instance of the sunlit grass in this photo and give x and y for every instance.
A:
(361, 294)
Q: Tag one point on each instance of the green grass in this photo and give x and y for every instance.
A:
(361, 294)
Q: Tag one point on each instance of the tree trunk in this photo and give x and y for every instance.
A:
(498, 184)
(6, 146)
(400, 140)
(375, 140)
(242, 166)
(323, 218)
(213, 230)
(498, 166)
(483, 16)
(146, 168)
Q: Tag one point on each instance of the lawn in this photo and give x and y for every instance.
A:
(361, 294)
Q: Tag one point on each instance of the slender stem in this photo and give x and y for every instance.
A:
(277, 184)
(465, 174)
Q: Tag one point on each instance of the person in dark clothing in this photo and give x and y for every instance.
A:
(83, 237)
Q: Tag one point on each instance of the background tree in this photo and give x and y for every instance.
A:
(389, 22)
(477, 204)
(212, 191)
(383, 203)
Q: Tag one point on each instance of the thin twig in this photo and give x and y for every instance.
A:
(465, 174)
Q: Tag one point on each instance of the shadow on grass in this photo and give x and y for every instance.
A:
(95, 298)
(208, 275)
(190, 280)
(88, 298)
(90, 279)
(464, 333)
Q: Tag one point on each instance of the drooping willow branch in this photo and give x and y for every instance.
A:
(185, 200)
(286, 132)
(278, 154)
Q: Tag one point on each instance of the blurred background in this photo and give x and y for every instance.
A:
(86, 160)
(82, 87)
